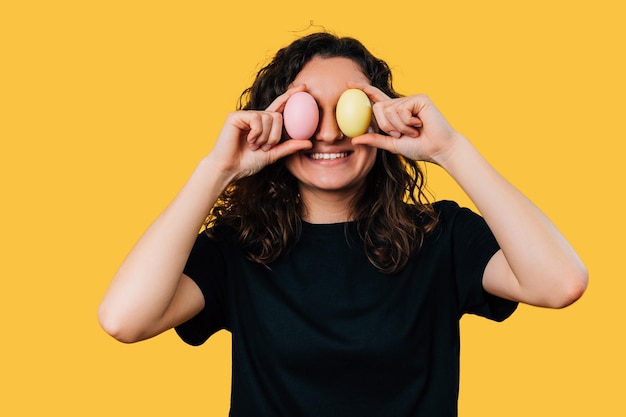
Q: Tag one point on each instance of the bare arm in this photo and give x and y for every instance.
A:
(149, 293)
(536, 265)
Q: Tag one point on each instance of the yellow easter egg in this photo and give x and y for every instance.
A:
(354, 112)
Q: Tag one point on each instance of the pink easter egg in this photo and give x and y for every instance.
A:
(301, 116)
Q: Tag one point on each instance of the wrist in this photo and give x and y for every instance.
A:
(456, 147)
(212, 170)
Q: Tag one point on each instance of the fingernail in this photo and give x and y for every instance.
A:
(395, 134)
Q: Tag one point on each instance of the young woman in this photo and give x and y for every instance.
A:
(341, 284)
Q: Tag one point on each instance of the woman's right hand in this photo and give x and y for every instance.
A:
(150, 293)
(251, 139)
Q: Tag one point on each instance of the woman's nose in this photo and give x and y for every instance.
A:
(328, 130)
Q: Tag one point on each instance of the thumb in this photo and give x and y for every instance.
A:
(377, 140)
(288, 147)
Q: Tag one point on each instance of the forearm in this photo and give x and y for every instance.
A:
(145, 284)
(547, 269)
(536, 265)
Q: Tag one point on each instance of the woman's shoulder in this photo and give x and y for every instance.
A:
(451, 215)
(445, 206)
(447, 210)
(455, 219)
(434, 213)
(219, 233)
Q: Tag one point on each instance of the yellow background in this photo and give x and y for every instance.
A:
(105, 108)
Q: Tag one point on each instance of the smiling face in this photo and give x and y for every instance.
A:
(333, 170)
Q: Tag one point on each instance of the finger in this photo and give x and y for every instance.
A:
(266, 123)
(256, 129)
(279, 102)
(375, 95)
(403, 121)
(275, 130)
(276, 133)
(409, 118)
(376, 140)
(381, 113)
(393, 118)
(287, 148)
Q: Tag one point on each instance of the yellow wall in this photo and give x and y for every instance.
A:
(105, 108)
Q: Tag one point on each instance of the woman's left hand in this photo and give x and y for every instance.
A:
(415, 127)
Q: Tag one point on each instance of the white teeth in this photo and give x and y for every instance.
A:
(328, 156)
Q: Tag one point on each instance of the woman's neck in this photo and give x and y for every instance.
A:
(325, 207)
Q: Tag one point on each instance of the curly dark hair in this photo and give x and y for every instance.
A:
(392, 212)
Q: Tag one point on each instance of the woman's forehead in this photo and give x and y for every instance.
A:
(322, 73)
(333, 66)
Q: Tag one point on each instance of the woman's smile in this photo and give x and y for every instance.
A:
(333, 165)
(328, 156)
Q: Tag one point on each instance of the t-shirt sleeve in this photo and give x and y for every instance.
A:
(473, 245)
(206, 267)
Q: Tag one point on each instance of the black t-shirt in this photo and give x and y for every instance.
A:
(323, 333)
